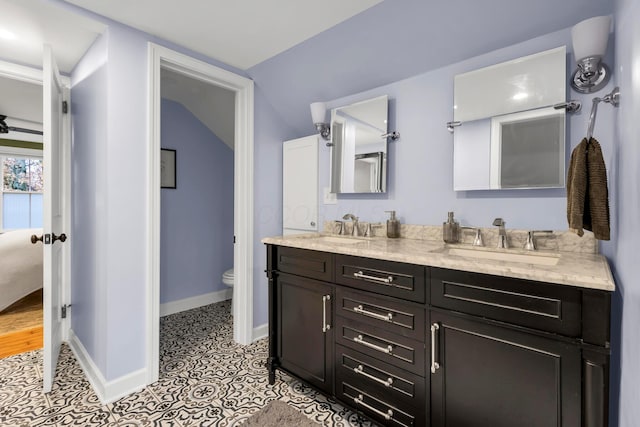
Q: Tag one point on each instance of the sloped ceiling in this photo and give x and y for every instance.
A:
(240, 33)
(212, 105)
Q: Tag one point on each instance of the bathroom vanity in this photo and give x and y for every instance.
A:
(411, 333)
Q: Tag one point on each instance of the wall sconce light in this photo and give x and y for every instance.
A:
(590, 39)
(318, 113)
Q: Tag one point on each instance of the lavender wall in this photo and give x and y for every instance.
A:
(270, 133)
(118, 196)
(420, 178)
(624, 253)
(125, 231)
(88, 146)
(420, 185)
(197, 217)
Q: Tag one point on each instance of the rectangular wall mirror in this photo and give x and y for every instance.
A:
(359, 150)
(510, 136)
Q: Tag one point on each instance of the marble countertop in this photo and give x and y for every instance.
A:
(572, 269)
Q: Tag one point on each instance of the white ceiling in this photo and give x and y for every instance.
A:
(34, 22)
(212, 105)
(240, 33)
(20, 100)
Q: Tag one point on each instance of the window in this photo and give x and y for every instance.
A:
(21, 192)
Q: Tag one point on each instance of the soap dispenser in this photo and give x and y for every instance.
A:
(393, 225)
(451, 230)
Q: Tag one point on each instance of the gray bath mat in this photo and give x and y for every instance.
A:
(278, 414)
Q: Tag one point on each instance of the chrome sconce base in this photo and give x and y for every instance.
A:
(324, 130)
(590, 76)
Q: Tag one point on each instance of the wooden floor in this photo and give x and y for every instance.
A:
(21, 325)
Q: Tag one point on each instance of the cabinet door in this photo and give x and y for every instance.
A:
(300, 185)
(305, 345)
(488, 375)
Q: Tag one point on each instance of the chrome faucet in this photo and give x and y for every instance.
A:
(502, 234)
(477, 240)
(356, 228)
(530, 244)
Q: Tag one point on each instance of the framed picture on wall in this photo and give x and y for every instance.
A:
(167, 168)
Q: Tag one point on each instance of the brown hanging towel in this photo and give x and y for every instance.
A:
(587, 192)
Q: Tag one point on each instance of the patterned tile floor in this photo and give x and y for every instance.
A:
(205, 380)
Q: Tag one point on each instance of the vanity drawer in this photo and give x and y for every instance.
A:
(379, 410)
(383, 345)
(381, 380)
(303, 262)
(543, 306)
(406, 281)
(401, 317)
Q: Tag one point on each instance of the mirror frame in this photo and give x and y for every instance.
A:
(378, 172)
(500, 92)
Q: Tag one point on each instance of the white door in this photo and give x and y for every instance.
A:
(300, 185)
(53, 236)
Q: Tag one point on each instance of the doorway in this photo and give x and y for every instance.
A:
(35, 77)
(162, 58)
(196, 221)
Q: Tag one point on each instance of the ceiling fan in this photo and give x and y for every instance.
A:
(4, 128)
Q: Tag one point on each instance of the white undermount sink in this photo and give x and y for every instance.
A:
(339, 240)
(533, 258)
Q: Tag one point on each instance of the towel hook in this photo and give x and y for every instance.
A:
(612, 98)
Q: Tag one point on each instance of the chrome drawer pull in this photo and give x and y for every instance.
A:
(360, 401)
(434, 365)
(387, 350)
(325, 326)
(360, 310)
(386, 280)
(360, 370)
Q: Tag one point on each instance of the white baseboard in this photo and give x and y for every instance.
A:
(195, 302)
(260, 331)
(107, 391)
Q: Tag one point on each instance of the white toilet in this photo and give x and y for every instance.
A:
(227, 279)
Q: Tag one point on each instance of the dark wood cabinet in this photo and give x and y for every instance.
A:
(409, 345)
(305, 344)
(489, 375)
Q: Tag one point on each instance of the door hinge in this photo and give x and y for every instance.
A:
(234, 239)
(63, 310)
(65, 107)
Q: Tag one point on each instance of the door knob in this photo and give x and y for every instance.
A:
(62, 238)
(35, 239)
